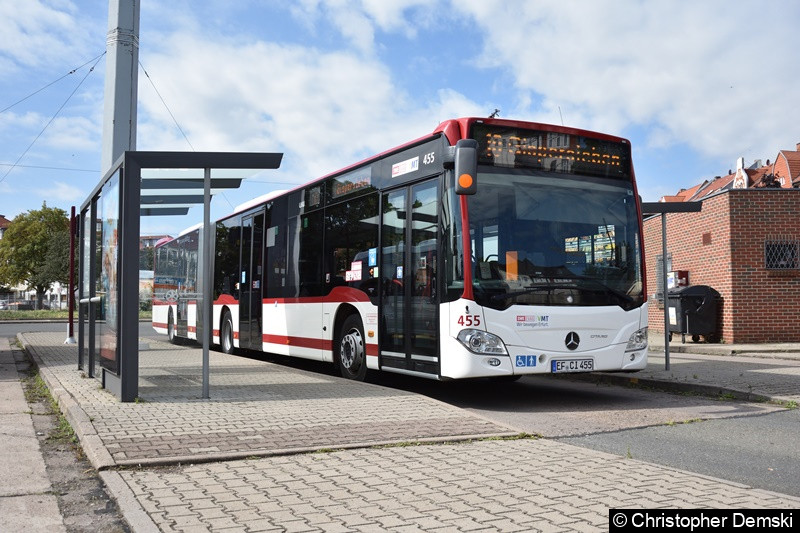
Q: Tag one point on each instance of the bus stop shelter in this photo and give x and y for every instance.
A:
(143, 184)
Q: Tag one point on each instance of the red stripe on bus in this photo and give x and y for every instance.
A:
(226, 299)
(303, 342)
(337, 295)
(307, 342)
(159, 325)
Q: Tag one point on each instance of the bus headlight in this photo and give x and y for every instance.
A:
(483, 343)
(638, 341)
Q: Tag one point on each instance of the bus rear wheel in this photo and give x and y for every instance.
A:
(171, 328)
(226, 333)
(351, 354)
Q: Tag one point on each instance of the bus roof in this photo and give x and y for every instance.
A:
(259, 200)
(452, 129)
(190, 229)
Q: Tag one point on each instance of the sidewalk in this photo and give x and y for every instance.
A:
(241, 461)
(750, 372)
(777, 350)
(26, 498)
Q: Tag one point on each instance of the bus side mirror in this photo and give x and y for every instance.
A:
(466, 166)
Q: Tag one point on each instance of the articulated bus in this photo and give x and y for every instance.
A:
(489, 248)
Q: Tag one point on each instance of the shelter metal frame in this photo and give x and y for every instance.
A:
(149, 184)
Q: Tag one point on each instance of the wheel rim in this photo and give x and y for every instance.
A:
(351, 350)
(171, 329)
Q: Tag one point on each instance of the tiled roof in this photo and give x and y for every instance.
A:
(793, 159)
(757, 177)
(4, 222)
(691, 192)
(716, 185)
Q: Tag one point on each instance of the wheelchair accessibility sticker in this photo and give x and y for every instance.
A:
(525, 360)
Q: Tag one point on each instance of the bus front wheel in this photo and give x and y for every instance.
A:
(351, 354)
(226, 333)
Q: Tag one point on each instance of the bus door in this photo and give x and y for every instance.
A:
(181, 302)
(187, 283)
(251, 281)
(409, 309)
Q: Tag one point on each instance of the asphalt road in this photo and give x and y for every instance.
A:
(760, 450)
(749, 443)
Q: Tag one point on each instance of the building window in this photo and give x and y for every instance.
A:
(782, 253)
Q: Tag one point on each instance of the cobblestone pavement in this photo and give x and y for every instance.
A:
(256, 408)
(386, 460)
(520, 485)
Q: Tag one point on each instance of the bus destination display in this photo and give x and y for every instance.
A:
(552, 151)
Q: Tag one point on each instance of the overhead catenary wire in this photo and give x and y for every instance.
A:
(64, 169)
(34, 93)
(174, 120)
(51, 119)
(166, 107)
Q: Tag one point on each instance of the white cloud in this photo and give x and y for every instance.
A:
(326, 110)
(357, 21)
(73, 133)
(27, 131)
(61, 192)
(41, 33)
(716, 75)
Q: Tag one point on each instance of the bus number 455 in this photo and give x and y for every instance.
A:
(469, 320)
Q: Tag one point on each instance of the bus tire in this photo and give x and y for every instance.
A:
(351, 351)
(226, 333)
(171, 328)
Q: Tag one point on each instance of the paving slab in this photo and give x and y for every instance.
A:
(385, 460)
(27, 502)
(256, 408)
(521, 485)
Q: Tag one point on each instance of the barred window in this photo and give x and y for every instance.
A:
(782, 253)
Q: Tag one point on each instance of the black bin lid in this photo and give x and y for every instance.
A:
(694, 290)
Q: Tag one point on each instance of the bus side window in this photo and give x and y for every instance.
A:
(351, 240)
(311, 282)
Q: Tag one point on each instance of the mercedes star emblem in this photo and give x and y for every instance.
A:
(572, 341)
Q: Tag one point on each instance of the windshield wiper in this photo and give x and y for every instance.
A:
(608, 289)
(529, 290)
(548, 287)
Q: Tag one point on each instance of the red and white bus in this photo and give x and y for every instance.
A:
(489, 248)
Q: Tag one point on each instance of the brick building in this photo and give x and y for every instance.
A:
(4, 224)
(745, 243)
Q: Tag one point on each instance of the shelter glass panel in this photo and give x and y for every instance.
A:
(108, 267)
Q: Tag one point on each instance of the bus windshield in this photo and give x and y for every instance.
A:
(542, 238)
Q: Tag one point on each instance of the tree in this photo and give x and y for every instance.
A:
(35, 250)
(146, 258)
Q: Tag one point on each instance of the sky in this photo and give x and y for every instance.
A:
(694, 85)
